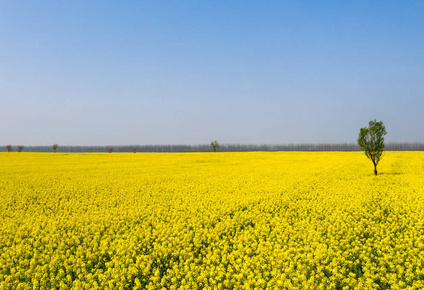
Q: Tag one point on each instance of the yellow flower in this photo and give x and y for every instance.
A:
(290, 220)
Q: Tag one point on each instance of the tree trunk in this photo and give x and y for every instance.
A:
(375, 169)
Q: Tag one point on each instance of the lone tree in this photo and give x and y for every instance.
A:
(371, 140)
(55, 146)
(20, 147)
(214, 145)
(110, 149)
(9, 148)
(135, 149)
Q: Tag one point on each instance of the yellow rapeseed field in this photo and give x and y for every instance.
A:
(257, 220)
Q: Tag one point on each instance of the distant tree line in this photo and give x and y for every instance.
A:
(417, 146)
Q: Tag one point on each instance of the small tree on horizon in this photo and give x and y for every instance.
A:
(135, 149)
(110, 149)
(55, 146)
(20, 147)
(9, 148)
(371, 140)
(214, 145)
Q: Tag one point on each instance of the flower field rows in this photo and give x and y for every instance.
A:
(258, 220)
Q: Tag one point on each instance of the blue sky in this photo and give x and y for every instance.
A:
(188, 72)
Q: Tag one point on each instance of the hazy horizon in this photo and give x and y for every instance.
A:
(95, 73)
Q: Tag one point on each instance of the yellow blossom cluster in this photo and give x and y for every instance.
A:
(256, 220)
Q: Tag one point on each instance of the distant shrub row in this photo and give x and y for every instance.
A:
(223, 148)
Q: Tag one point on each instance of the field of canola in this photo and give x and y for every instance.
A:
(258, 220)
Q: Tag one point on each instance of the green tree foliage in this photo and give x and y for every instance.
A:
(214, 145)
(55, 146)
(371, 140)
(110, 149)
(9, 148)
(20, 147)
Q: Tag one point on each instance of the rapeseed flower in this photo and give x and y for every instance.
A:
(268, 220)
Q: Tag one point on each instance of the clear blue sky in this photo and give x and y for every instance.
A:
(188, 72)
